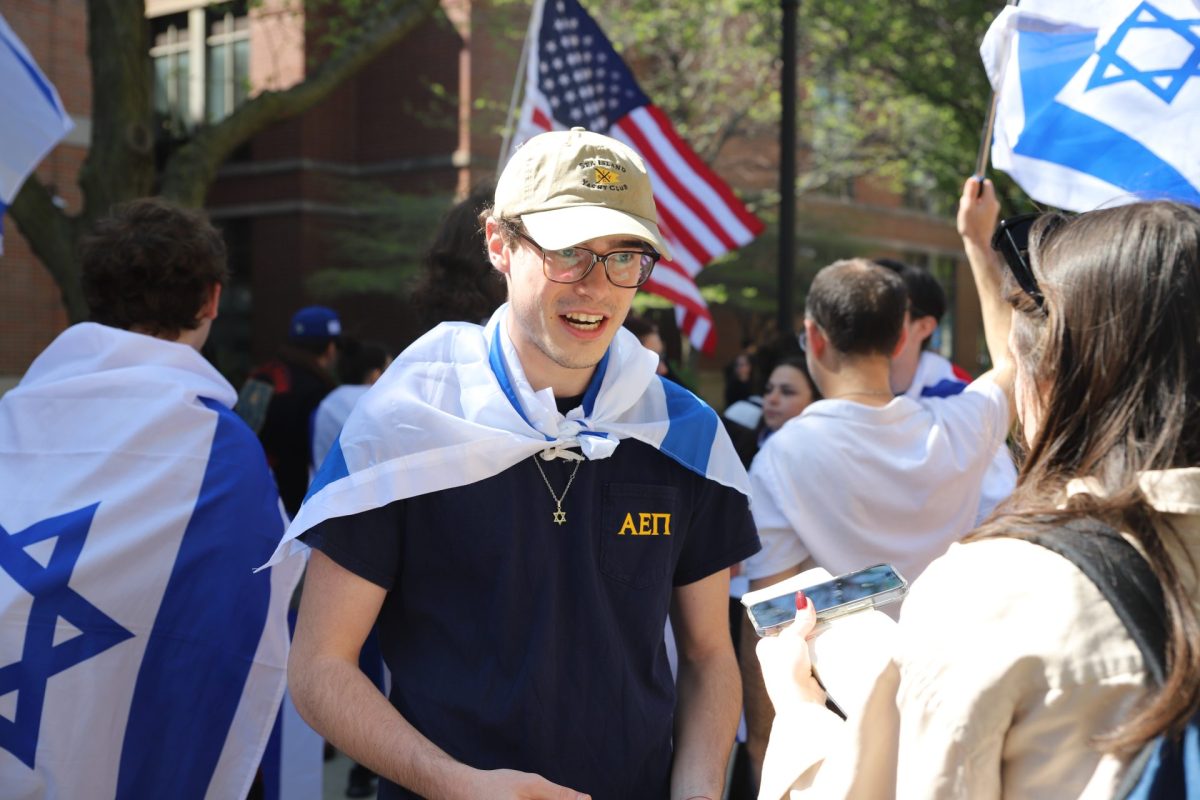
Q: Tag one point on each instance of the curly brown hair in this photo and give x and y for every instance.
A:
(151, 265)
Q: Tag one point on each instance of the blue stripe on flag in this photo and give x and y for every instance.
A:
(692, 428)
(35, 74)
(496, 359)
(208, 627)
(1056, 133)
(272, 762)
(593, 390)
(333, 468)
(946, 387)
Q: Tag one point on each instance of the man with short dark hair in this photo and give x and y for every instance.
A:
(521, 505)
(146, 656)
(863, 476)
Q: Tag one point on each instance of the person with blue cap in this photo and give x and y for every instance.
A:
(296, 383)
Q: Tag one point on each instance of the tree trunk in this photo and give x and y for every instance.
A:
(54, 238)
(120, 162)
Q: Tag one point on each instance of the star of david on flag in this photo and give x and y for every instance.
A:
(63, 628)
(1099, 102)
(140, 656)
(33, 119)
(575, 78)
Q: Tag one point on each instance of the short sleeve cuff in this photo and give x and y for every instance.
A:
(781, 549)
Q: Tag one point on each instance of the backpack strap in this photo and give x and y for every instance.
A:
(1124, 578)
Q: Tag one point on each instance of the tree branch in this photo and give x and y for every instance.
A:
(191, 169)
(52, 236)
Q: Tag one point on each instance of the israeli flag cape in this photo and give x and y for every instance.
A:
(1099, 100)
(456, 408)
(140, 656)
(32, 119)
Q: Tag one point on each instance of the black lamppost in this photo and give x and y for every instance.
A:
(787, 169)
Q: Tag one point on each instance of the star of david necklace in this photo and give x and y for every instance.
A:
(560, 516)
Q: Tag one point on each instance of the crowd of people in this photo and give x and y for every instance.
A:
(508, 514)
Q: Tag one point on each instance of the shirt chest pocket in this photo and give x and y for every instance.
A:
(638, 529)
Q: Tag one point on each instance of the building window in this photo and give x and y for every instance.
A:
(227, 49)
(201, 65)
(171, 54)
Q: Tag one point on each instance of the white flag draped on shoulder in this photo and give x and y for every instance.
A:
(455, 408)
(575, 77)
(1099, 100)
(32, 118)
(140, 656)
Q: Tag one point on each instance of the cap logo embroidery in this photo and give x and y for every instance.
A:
(601, 173)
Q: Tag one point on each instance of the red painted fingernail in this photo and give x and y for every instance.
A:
(801, 601)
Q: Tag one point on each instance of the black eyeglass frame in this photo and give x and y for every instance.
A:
(654, 257)
(1011, 240)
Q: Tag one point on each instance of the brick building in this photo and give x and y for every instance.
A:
(421, 119)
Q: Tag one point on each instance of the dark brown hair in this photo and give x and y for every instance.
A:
(151, 265)
(1114, 360)
(458, 282)
(859, 305)
(800, 364)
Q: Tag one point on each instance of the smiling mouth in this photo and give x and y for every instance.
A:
(584, 322)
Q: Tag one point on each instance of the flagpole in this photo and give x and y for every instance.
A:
(509, 124)
(989, 125)
(787, 171)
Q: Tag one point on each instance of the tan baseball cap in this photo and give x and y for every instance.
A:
(572, 186)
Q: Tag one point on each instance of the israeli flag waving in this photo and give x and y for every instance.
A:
(1099, 100)
(33, 119)
(140, 656)
(456, 408)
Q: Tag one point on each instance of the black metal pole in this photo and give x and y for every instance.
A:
(787, 169)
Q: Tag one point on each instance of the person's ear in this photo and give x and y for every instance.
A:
(817, 343)
(923, 328)
(498, 252)
(209, 309)
(904, 334)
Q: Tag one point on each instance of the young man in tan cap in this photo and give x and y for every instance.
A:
(520, 505)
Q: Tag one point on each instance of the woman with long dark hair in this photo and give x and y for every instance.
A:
(1013, 676)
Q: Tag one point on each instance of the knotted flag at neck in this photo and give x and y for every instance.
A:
(456, 408)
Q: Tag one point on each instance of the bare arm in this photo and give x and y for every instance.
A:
(977, 215)
(759, 711)
(337, 611)
(709, 690)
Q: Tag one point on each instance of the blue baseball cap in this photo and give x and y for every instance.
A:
(314, 323)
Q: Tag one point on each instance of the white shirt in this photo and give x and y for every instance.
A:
(330, 416)
(1001, 477)
(852, 485)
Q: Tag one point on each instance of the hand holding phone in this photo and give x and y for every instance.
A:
(865, 588)
(786, 664)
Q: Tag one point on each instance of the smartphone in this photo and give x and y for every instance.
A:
(866, 588)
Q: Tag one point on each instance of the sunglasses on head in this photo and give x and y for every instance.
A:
(1011, 240)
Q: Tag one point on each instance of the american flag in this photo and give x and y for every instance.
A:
(576, 78)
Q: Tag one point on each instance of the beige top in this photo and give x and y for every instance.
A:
(1009, 662)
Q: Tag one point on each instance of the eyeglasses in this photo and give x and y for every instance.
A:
(802, 339)
(1011, 240)
(625, 268)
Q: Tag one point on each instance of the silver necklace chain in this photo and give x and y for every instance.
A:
(560, 516)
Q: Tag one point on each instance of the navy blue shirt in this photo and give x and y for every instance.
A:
(518, 643)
